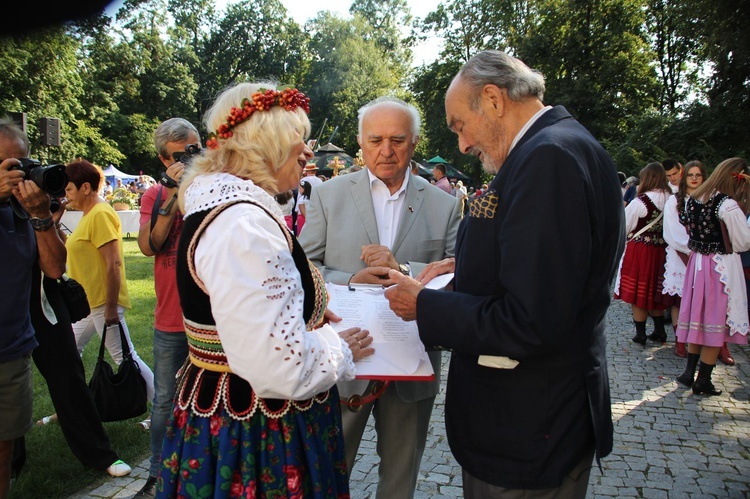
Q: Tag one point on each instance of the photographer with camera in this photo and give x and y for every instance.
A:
(176, 140)
(24, 246)
(56, 355)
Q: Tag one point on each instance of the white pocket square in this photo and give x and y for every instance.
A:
(497, 362)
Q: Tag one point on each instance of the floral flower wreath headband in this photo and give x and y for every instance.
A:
(264, 99)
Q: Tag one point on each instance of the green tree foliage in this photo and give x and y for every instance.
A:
(349, 69)
(672, 25)
(253, 41)
(596, 62)
(387, 19)
(650, 78)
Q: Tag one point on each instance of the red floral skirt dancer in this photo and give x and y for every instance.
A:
(640, 280)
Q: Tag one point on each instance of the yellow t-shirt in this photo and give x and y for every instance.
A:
(86, 264)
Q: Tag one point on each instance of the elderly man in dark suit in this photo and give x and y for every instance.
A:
(527, 402)
(361, 225)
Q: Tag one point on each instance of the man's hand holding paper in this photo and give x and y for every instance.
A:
(399, 354)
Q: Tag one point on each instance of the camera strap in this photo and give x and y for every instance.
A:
(19, 210)
(154, 216)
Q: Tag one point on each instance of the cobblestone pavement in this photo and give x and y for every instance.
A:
(669, 443)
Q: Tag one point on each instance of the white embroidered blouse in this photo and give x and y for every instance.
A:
(255, 289)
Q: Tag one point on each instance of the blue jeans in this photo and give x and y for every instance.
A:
(170, 352)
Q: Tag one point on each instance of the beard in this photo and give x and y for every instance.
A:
(492, 146)
(489, 164)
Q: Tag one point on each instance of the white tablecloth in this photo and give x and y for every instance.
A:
(128, 218)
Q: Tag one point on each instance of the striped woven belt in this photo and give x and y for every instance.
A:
(204, 347)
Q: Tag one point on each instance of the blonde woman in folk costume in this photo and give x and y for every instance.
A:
(256, 412)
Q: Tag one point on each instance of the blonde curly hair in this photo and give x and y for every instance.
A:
(258, 147)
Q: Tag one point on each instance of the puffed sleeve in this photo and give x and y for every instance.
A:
(674, 232)
(257, 300)
(739, 233)
(634, 211)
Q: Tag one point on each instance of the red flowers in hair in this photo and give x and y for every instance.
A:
(289, 98)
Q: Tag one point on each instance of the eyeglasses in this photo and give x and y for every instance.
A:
(694, 175)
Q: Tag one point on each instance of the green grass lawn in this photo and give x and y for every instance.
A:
(51, 470)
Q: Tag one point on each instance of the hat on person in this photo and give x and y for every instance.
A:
(310, 167)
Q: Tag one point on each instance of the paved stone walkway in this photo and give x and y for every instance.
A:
(668, 442)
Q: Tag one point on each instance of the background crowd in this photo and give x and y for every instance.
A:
(253, 387)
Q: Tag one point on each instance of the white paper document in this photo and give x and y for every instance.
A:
(440, 281)
(399, 354)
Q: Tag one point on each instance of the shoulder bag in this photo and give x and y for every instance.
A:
(121, 395)
(75, 298)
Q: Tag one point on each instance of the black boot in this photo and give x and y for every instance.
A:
(702, 384)
(659, 335)
(640, 332)
(688, 376)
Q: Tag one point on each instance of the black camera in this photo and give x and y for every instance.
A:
(52, 179)
(184, 157)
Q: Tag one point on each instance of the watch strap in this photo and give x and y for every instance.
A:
(166, 210)
(41, 224)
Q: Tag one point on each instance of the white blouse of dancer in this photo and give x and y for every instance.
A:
(634, 211)
(677, 238)
(244, 261)
(729, 267)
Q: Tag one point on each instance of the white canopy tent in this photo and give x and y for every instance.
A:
(111, 173)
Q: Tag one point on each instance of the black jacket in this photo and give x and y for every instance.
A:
(535, 259)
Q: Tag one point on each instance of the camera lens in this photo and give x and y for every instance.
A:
(51, 179)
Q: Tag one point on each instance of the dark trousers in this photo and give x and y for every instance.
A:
(58, 361)
(574, 486)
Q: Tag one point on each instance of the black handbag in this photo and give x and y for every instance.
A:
(75, 298)
(122, 395)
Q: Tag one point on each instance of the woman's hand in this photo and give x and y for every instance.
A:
(359, 341)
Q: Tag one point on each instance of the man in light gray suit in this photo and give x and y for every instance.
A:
(361, 225)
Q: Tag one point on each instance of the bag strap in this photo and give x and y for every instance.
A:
(653, 222)
(123, 341)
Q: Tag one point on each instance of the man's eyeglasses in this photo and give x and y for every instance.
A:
(694, 175)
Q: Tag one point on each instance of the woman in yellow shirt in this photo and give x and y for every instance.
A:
(96, 261)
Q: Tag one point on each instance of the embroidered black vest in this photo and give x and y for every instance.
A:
(654, 235)
(704, 226)
(205, 382)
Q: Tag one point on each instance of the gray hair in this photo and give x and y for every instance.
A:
(504, 71)
(11, 130)
(173, 130)
(416, 120)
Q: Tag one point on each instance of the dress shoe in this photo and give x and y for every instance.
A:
(725, 356)
(148, 491)
(640, 339)
(679, 350)
(685, 379)
(702, 384)
(705, 388)
(658, 337)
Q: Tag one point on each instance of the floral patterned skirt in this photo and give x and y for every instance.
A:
(297, 455)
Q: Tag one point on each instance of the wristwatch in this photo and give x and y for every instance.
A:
(41, 224)
(404, 268)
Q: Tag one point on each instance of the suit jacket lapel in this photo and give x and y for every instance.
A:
(409, 212)
(554, 115)
(362, 198)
